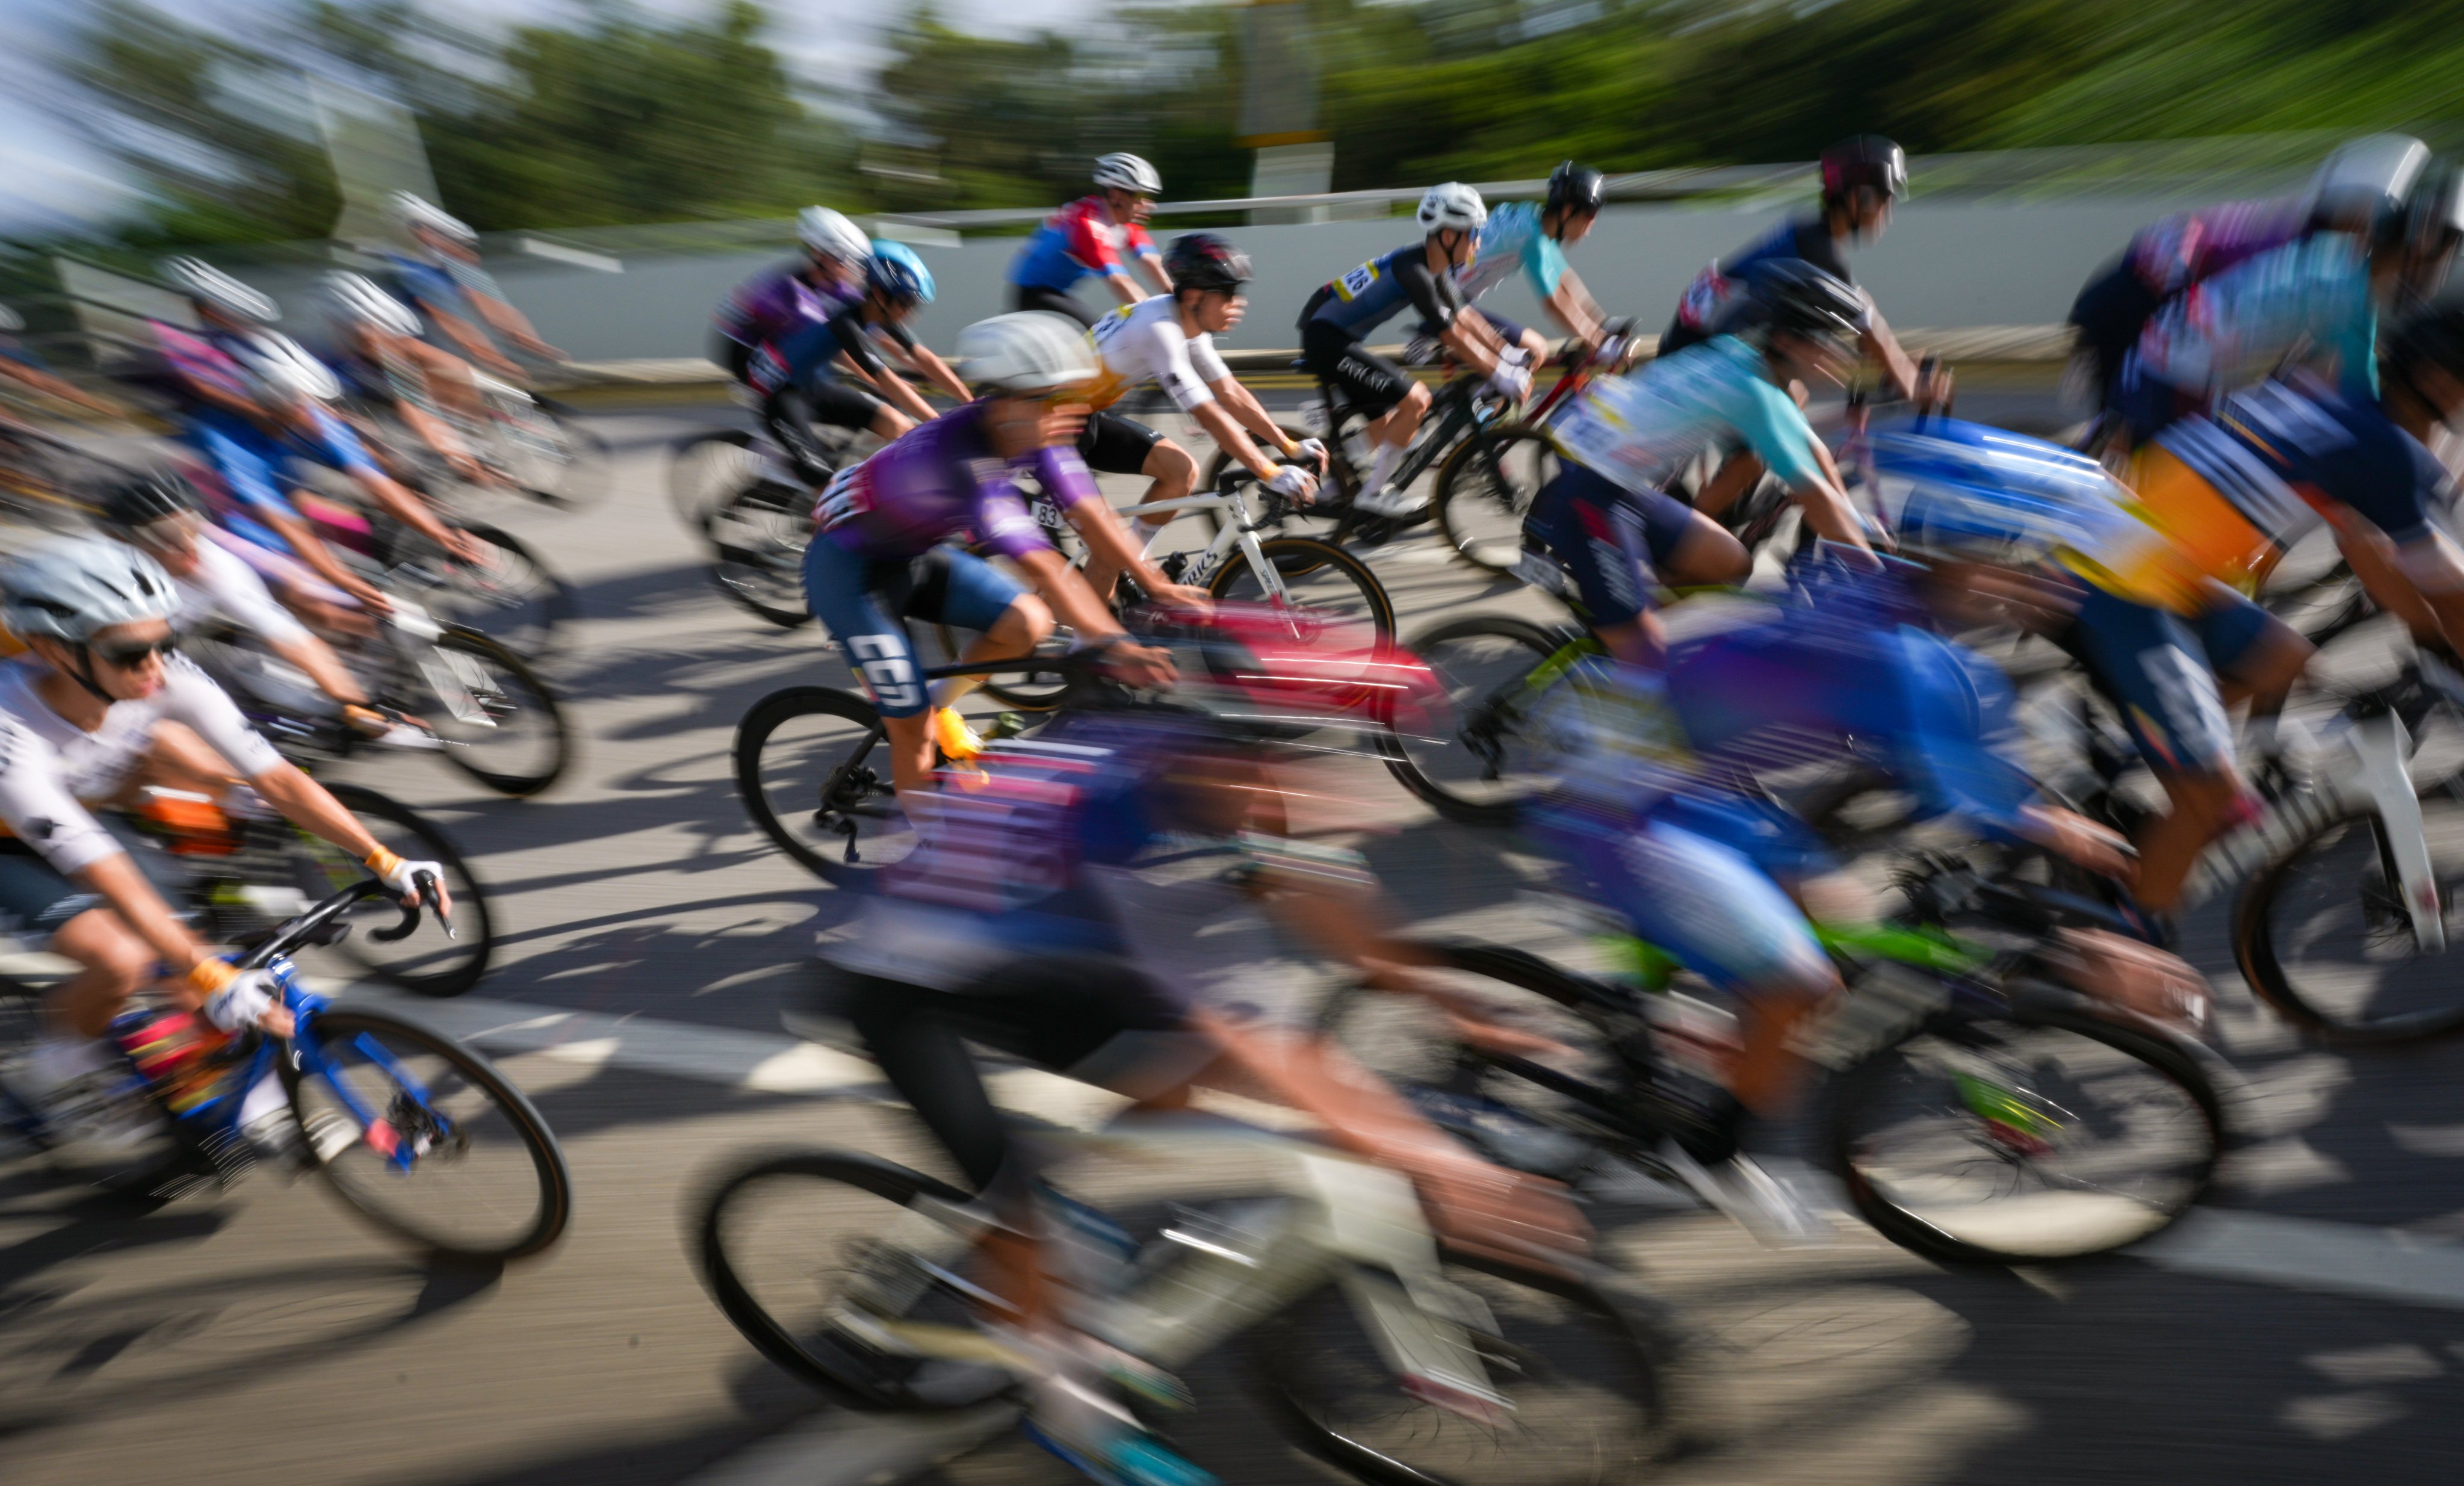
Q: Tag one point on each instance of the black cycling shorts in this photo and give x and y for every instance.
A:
(1113, 444)
(1052, 301)
(36, 899)
(790, 413)
(2110, 312)
(1611, 540)
(1370, 382)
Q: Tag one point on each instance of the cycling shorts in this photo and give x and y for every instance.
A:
(1113, 444)
(864, 601)
(1371, 383)
(36, 899)
(1702, 901)
(255, 467)
(2156, 668)
(1612, 540)
(1051, 301)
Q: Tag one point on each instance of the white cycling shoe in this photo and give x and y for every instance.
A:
(1764, 1205)
(1388, 502)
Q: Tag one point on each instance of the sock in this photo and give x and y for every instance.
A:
(1381, 468)
(949, 690)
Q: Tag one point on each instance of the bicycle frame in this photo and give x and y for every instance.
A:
(1240, 531)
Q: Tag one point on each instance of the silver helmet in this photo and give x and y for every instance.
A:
(71, 586)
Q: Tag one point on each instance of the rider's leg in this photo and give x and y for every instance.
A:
(1696, 552)
(965, 592)
(1113, 444)
(1599, 532)
(114, 964)
(2257, 658)
(2203, 803)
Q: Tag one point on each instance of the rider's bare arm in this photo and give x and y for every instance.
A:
(1573, 307)
(474, 345)
(1216, 418)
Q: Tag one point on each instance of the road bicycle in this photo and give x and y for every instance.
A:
(1486, 487)
(418, 1135)
(1976, 1108)
(1387, 1356)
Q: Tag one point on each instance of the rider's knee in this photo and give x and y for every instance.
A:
(110, 950)
(1416, 401)
(1172, 468)
(889, 424)
(1026, 622)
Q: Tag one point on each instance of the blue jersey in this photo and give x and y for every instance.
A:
(1514, 240)
(2309, 295)
(2276, 451)
(1381, 289)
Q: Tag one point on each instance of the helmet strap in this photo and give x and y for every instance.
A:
(83, 675)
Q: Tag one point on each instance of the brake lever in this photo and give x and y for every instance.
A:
(432, 893)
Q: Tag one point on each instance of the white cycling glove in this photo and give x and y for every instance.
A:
(243, 999)
(1511, 381)
(1293, 481)
(1312, 453)
(401, 873)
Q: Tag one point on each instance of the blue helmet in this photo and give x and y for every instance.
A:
(898, 274)
(1963, 491)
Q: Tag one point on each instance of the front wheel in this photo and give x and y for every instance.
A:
(1326, 589)
(424, 1138)
(1484, 491)
(500, 723)
(2043, 1133)
(507, 594)
(813, 767)
(429, 962)
(1466, 752)
(2324, 935)
(758, 538)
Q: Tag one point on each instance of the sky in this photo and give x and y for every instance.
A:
(50, 176)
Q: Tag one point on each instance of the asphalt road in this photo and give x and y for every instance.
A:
(2308, 1328)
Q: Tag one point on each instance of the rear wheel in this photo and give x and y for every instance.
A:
(1484, 491)
(424, 1139)
(508, 594)
(709, 469)
(500, 722)
(550, 455)
(429, 962)
(813, 767)
(1466, 752)
(758, 538)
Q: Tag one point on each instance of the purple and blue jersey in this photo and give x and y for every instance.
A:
(943, 480)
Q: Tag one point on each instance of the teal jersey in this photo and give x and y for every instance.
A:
(1640, 430)
(2232, 329)
(1514, 240)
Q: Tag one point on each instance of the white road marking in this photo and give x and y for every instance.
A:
(2309, 1253)
(841, 1449)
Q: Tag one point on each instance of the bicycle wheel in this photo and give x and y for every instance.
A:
(1325, 588)
(781, 1241)
(709, 469)
(500, 723)
(1485, 490)
(424, 1139)
(508, 594)
(813, 766)
(759, 539)
(2042, 1134)
(1576, 1365)
(1466, 755)
(1016, 691)
(429, 962)
(2322, 933)
(551, 455)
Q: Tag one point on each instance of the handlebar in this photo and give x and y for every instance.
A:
(317, 926)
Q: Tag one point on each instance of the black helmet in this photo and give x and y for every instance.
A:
(145, 499)
(2431, 336)
(1790, 296)
(1576, 188)
(1865, 160)
(1202, 260)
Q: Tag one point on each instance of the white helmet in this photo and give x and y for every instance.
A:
(10, 322)
(2365, 180)
(204, 284)
(280, 371)
(1026, 354)
(1453, 205)
(416, 213)
(1125, 172)
(71, 586)
(831, 233)
(353, 299)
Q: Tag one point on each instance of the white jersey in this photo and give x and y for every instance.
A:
(1141, 342)
(222, 584)
(49, 766)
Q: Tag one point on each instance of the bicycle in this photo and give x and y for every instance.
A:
(381, 1107)
(1976, 1110)
(1486, 484)
(1381, 1352)
(47, 482)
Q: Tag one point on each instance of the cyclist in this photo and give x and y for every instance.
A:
(1024, 922)
(157, 515)
(1419, 276)
(769, 303)
(376, 354)
(80, 714)
(881, 555)
(1169, 341)
(2170, 256)
(251, 402)
(1094, 236)
(441, 277)
(1605, 515)
(2319, 298)
(794, 372)
(1534, 240)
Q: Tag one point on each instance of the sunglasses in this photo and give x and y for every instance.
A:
(130, 656)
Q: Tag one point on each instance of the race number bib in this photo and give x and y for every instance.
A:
(1354, 284)
(1710, 290)
(847, 495)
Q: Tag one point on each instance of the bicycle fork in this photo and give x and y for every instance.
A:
(2380, 747)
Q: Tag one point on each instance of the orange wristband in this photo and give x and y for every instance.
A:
(382, 862)
(211, 976)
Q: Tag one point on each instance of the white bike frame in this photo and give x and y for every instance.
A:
(1237, 531)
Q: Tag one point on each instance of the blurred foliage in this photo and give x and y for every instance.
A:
(620, 119)
(628, 115)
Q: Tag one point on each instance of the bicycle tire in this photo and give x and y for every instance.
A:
(473, 922)
(542, 703)
(531, 583)
(2258, 911)
(1392, 1436)
(1451, 799)
(707, 469)
(587, 455)
(1478, 458)
(1860, 1089)
(855, 782)
(838, 1372)
(1307, 557)
(763, 580)
(337, 1024)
